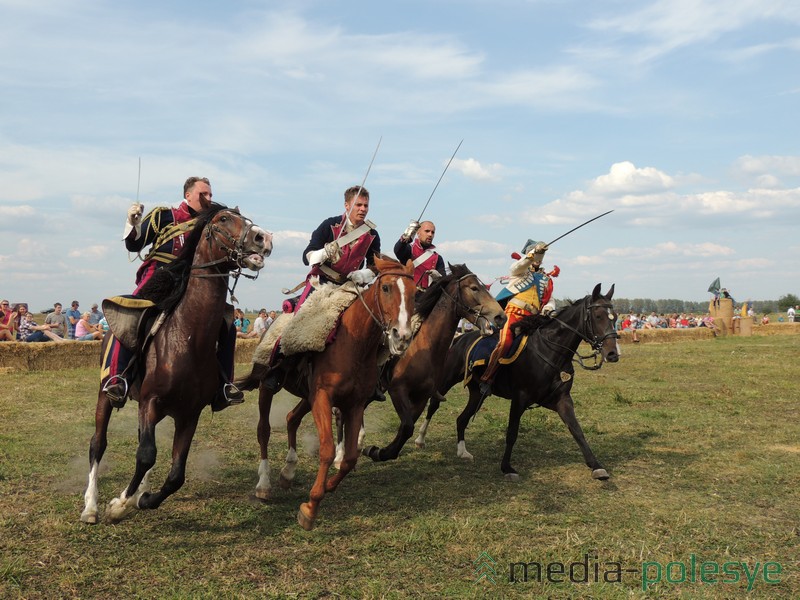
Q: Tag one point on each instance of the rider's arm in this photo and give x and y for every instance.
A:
(148, 229)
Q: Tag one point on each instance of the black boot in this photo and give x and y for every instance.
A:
(116, 390)
(273, 381)
(485, 388)
(227, 395)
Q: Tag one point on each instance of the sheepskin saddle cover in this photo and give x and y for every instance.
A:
(309, 328)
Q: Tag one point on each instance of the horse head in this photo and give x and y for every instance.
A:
(474, 302)
(393, 297)
(236, 242)
(601, 323)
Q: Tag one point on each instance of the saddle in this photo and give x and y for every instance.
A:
(481, 349)
(134, 321)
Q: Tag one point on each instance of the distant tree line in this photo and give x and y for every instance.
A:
(673, 305)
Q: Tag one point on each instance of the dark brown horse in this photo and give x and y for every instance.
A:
(414, 376)
(181, 370)
(342, 376)
(542, 374)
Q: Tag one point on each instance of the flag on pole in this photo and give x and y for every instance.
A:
(715, 287)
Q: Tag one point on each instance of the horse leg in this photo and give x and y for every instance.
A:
(321, 410)
(293, 419)
(337, 461)
(355, 420)
(97, 448)
(433, 406)
(463, 420)
(566, 410)
(181, 443)
(127, 501)
(264, 430)
(408, 412)
(512, 431)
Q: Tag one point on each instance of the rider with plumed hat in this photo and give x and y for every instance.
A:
(528, 292)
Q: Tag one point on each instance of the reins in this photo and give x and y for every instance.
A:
(595, 342)
(468, 311)
(379, 322)
(234, 253)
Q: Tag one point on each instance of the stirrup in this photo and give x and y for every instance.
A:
(116, 390)
(232, 394)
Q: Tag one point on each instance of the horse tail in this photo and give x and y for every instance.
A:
(252, 380)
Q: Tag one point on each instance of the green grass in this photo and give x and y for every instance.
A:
(700, 439)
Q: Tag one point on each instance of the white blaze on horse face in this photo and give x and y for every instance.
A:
(266, 236)
(404, 318)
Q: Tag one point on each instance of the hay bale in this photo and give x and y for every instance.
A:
(53, 356)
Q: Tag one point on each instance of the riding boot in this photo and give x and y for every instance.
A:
(227, 395)
(116, 390)
(377, 394)
(488, 375)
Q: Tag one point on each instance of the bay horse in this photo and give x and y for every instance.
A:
(541, 375)
(342, 376)
(414, 376)
(180, 366)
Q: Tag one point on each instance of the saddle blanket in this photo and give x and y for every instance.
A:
(481, 349)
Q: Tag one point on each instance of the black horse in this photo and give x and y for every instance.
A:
(542, 374)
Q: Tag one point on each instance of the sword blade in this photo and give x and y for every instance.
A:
(447, 166)
(361, 187)
(579, 226)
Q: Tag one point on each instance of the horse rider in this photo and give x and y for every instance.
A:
(416, 244)
(343, 246)
(341, 249)
(165, 229)
(528, 292)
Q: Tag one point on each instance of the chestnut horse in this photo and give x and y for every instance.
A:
(414, 376)
(542, 374)
(342, 376)
(181, 369)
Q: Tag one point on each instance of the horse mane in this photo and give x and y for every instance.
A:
(531, 323)
(168, 284)
(429, 298)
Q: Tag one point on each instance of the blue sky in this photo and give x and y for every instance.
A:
(679, 115)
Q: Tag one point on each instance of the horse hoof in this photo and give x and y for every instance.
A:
(262, 494)
(464, 455)
(305, 520)
(419, 443)
(89, 518)
(512, 476)
(118, 510)
(600, 474)
(284, 483)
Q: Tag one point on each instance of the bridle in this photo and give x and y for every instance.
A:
(384, 327)
(595, 341)
(471, 313)
(233, 250)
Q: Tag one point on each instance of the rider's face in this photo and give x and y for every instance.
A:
(358, 209)
(199, 196)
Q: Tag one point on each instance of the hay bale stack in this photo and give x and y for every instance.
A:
(52, 356)
(649, 336)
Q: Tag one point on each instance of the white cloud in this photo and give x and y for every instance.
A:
(471, 247)
(769, 165)
(473, 169)
(625, 178)
(92, 252)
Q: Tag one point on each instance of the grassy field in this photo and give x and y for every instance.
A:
(700, 439)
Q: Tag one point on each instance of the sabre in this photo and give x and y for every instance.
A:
(578, 227)
(440, 180)
(361, 187)
(138, 180)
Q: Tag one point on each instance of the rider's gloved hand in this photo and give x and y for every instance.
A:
(410, 231)
(133, 220)
(362, 276)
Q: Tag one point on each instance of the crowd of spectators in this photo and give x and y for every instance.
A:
(633, 322)
(18, 325)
